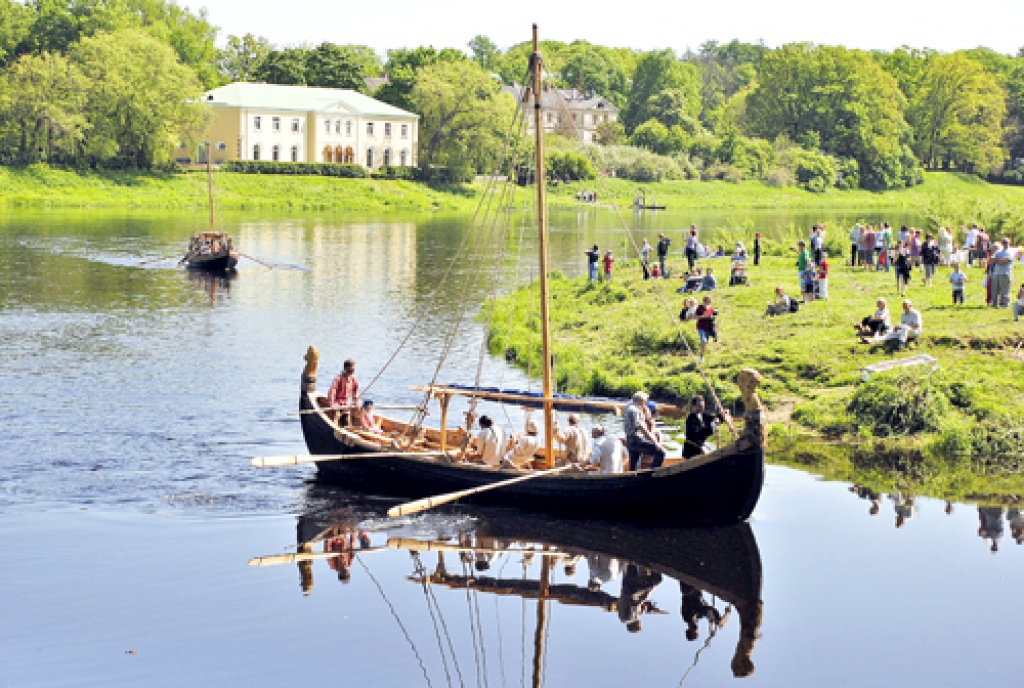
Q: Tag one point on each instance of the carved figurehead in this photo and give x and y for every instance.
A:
(749, 380)
(312, 359)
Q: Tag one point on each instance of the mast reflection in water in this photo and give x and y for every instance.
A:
(458, 559)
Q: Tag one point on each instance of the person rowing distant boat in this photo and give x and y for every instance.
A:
(344, 393)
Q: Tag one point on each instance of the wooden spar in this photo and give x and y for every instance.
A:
(429, 546)
(209, 181)
(419, 505)
(278, 559)
(612, 406)
(445, 398)
(298, 459)
(542, 622)
(542, 228)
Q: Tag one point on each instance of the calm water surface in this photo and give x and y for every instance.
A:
(132, 397)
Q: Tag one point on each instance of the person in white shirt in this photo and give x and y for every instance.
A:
(970, 239)
(608, 453)
(910, 327)
(490, 442)
(524, 446)
(577, 444)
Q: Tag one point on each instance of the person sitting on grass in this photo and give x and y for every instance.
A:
(910, 327)
(689, 311)
(710, 282)
(875, 324)
(780, 306)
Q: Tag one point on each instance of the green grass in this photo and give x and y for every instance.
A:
(944, 197)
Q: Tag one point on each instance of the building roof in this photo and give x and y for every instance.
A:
(552, 99)
(301, 98)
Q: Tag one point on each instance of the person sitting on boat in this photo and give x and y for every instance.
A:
(524, 447)
(699, 427)
(640, 440)
(608, 453)
(367, 419)
(490, 442)
(344, 392)
(577, 444)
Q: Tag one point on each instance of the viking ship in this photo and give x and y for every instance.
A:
(408, 459)
(210, 251)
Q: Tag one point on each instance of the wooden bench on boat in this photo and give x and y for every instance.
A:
(884, 366)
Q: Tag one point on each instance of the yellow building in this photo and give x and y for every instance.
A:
(304, 124)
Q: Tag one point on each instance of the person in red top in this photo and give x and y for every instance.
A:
(706, 329)
(823, 277)
(345, 392)
(608, 260)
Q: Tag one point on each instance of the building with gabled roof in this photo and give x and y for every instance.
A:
(565, 107)
(256, 121)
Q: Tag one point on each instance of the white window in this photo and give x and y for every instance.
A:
(295, 153)
(256, 151)
(221, 145)
(275, 123)
(327, 126)
(275, 153)
(369, 158)
(387, 130)
(387, 156)
(295, 125)
(369, 128)
(256, 122)
(404, 158)
(337, 126)
(405, 131)
(348, 128)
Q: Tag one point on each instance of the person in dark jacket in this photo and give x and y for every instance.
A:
(699, 427)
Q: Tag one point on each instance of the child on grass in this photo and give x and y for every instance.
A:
(958, 279)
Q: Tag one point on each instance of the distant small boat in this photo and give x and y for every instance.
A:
(211, 251)
(649, 207)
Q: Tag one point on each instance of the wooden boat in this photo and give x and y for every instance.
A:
(724, 562)
(718, 488)
(646, 206)
(211, 251)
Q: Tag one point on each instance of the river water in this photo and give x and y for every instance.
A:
(132, 398)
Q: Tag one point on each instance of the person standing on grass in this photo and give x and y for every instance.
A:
(930, 257)
(915, 247)
(757, 248)
(958, 278)
(855, 245)
(817, 243)
(706, 321)
(692, 246)
(868, 247)
(902, 269)
(945, 246)
(645, 259)
(593, 257)
(608, 260)
(823, 277)
(803, 258)
(1018, 305)
(883, 240)
(663, 243)
(982, 246)
(970, 243)
(1002, 274)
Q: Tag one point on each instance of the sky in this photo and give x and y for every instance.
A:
(945, 25)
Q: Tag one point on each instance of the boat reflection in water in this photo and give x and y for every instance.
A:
(717, 570)
(216, 284)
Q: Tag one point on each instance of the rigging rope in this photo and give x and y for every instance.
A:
(636, 247)
(472, 629)
(422, 573)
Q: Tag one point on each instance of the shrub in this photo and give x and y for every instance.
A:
(906, 402)
(570, 166)
(778, 176)
(726, 173)
(392, 172)
(446, 175)
(323, 169)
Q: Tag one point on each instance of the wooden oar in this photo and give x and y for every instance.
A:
(257, 260)
(297, 459)
(430, 546)
(278, 559)
(430, 502)
(389, 407)
(157, 260)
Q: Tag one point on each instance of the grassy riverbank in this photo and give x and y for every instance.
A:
(616, 338)
(944, 197)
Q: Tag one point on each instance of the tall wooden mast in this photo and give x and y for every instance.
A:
(209, 181)
(542, 228)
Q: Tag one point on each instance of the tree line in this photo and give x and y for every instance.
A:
(117, 83)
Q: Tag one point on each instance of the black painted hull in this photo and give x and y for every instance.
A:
(722, 488)
(223, 262)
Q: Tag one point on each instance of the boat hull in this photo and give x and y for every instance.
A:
(223, 262)
(722, 488)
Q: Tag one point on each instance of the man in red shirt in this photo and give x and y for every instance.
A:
(706, 325)
(345, 392)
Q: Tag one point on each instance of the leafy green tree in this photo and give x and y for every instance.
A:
(242, 58)
(907, 65)
(513, 65)
(958, 114)
(484, 51)
(287, 66)
(464, 115)
(335, 66)
(844, 96)
(671, 109)
(140, 99)
(402, 69)
(41, 102)
(725, 69)
(652, 135)
(611, 133)
(588, 68)
(15, 23)
(655, 72)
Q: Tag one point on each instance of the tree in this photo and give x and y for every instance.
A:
(287, 66)
(15, 23)
(611, 133)
(958, 114)
(402, 68)
(725, 70)
(652, 135)
(484, 51)
(140, 99)
(464, 115)
(589, 68)
(670, 108)
(335, 66)
(842, 95)
(655, 72)
(907, 65)
(41, 101)
(243, 57)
